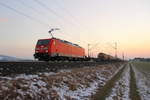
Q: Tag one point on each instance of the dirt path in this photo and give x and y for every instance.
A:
(104, 92)
(120, 87)
(134, 94)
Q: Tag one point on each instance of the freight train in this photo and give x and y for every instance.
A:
(57, 49)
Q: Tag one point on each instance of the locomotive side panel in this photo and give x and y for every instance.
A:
(48, 49)
(69, 50)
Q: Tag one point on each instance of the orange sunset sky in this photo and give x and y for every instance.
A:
(101, 22)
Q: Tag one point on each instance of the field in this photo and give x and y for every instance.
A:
(142, 73)
(117, 81)
(143, 67)
(68, 84)
(131, 83)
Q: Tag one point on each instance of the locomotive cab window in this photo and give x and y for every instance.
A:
(43, 42)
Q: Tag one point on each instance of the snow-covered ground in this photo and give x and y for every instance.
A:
(122, 87)
(76, 84)
(143, 84)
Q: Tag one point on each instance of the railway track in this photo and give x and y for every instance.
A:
(12, 68)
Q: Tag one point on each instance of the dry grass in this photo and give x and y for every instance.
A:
(42, 87)
(134, 94)
(107, 88)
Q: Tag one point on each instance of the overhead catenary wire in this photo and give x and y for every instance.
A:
(33, 9)
(91, 47)
(30, 7)
(74, 18)
(64, 19)
(38, 12)
(47, 8)
(59, 24)
(23, 14)
(78, 24)
(115, 47)
(94, 46)
(67, 12)
(51, 11)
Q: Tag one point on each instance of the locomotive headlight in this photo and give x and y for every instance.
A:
(36, 51)
(46, 51)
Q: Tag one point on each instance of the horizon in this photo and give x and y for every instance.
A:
(101, 22)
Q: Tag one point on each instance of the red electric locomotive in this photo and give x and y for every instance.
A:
(57, 49)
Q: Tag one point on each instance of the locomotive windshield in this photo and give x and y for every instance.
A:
(43, 42)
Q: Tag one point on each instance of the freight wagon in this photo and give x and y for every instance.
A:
(105, 57)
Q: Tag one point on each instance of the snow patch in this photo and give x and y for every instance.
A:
(121, 89)
(142, 84)
(78, 84)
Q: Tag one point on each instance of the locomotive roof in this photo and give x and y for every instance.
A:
(67, 42)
